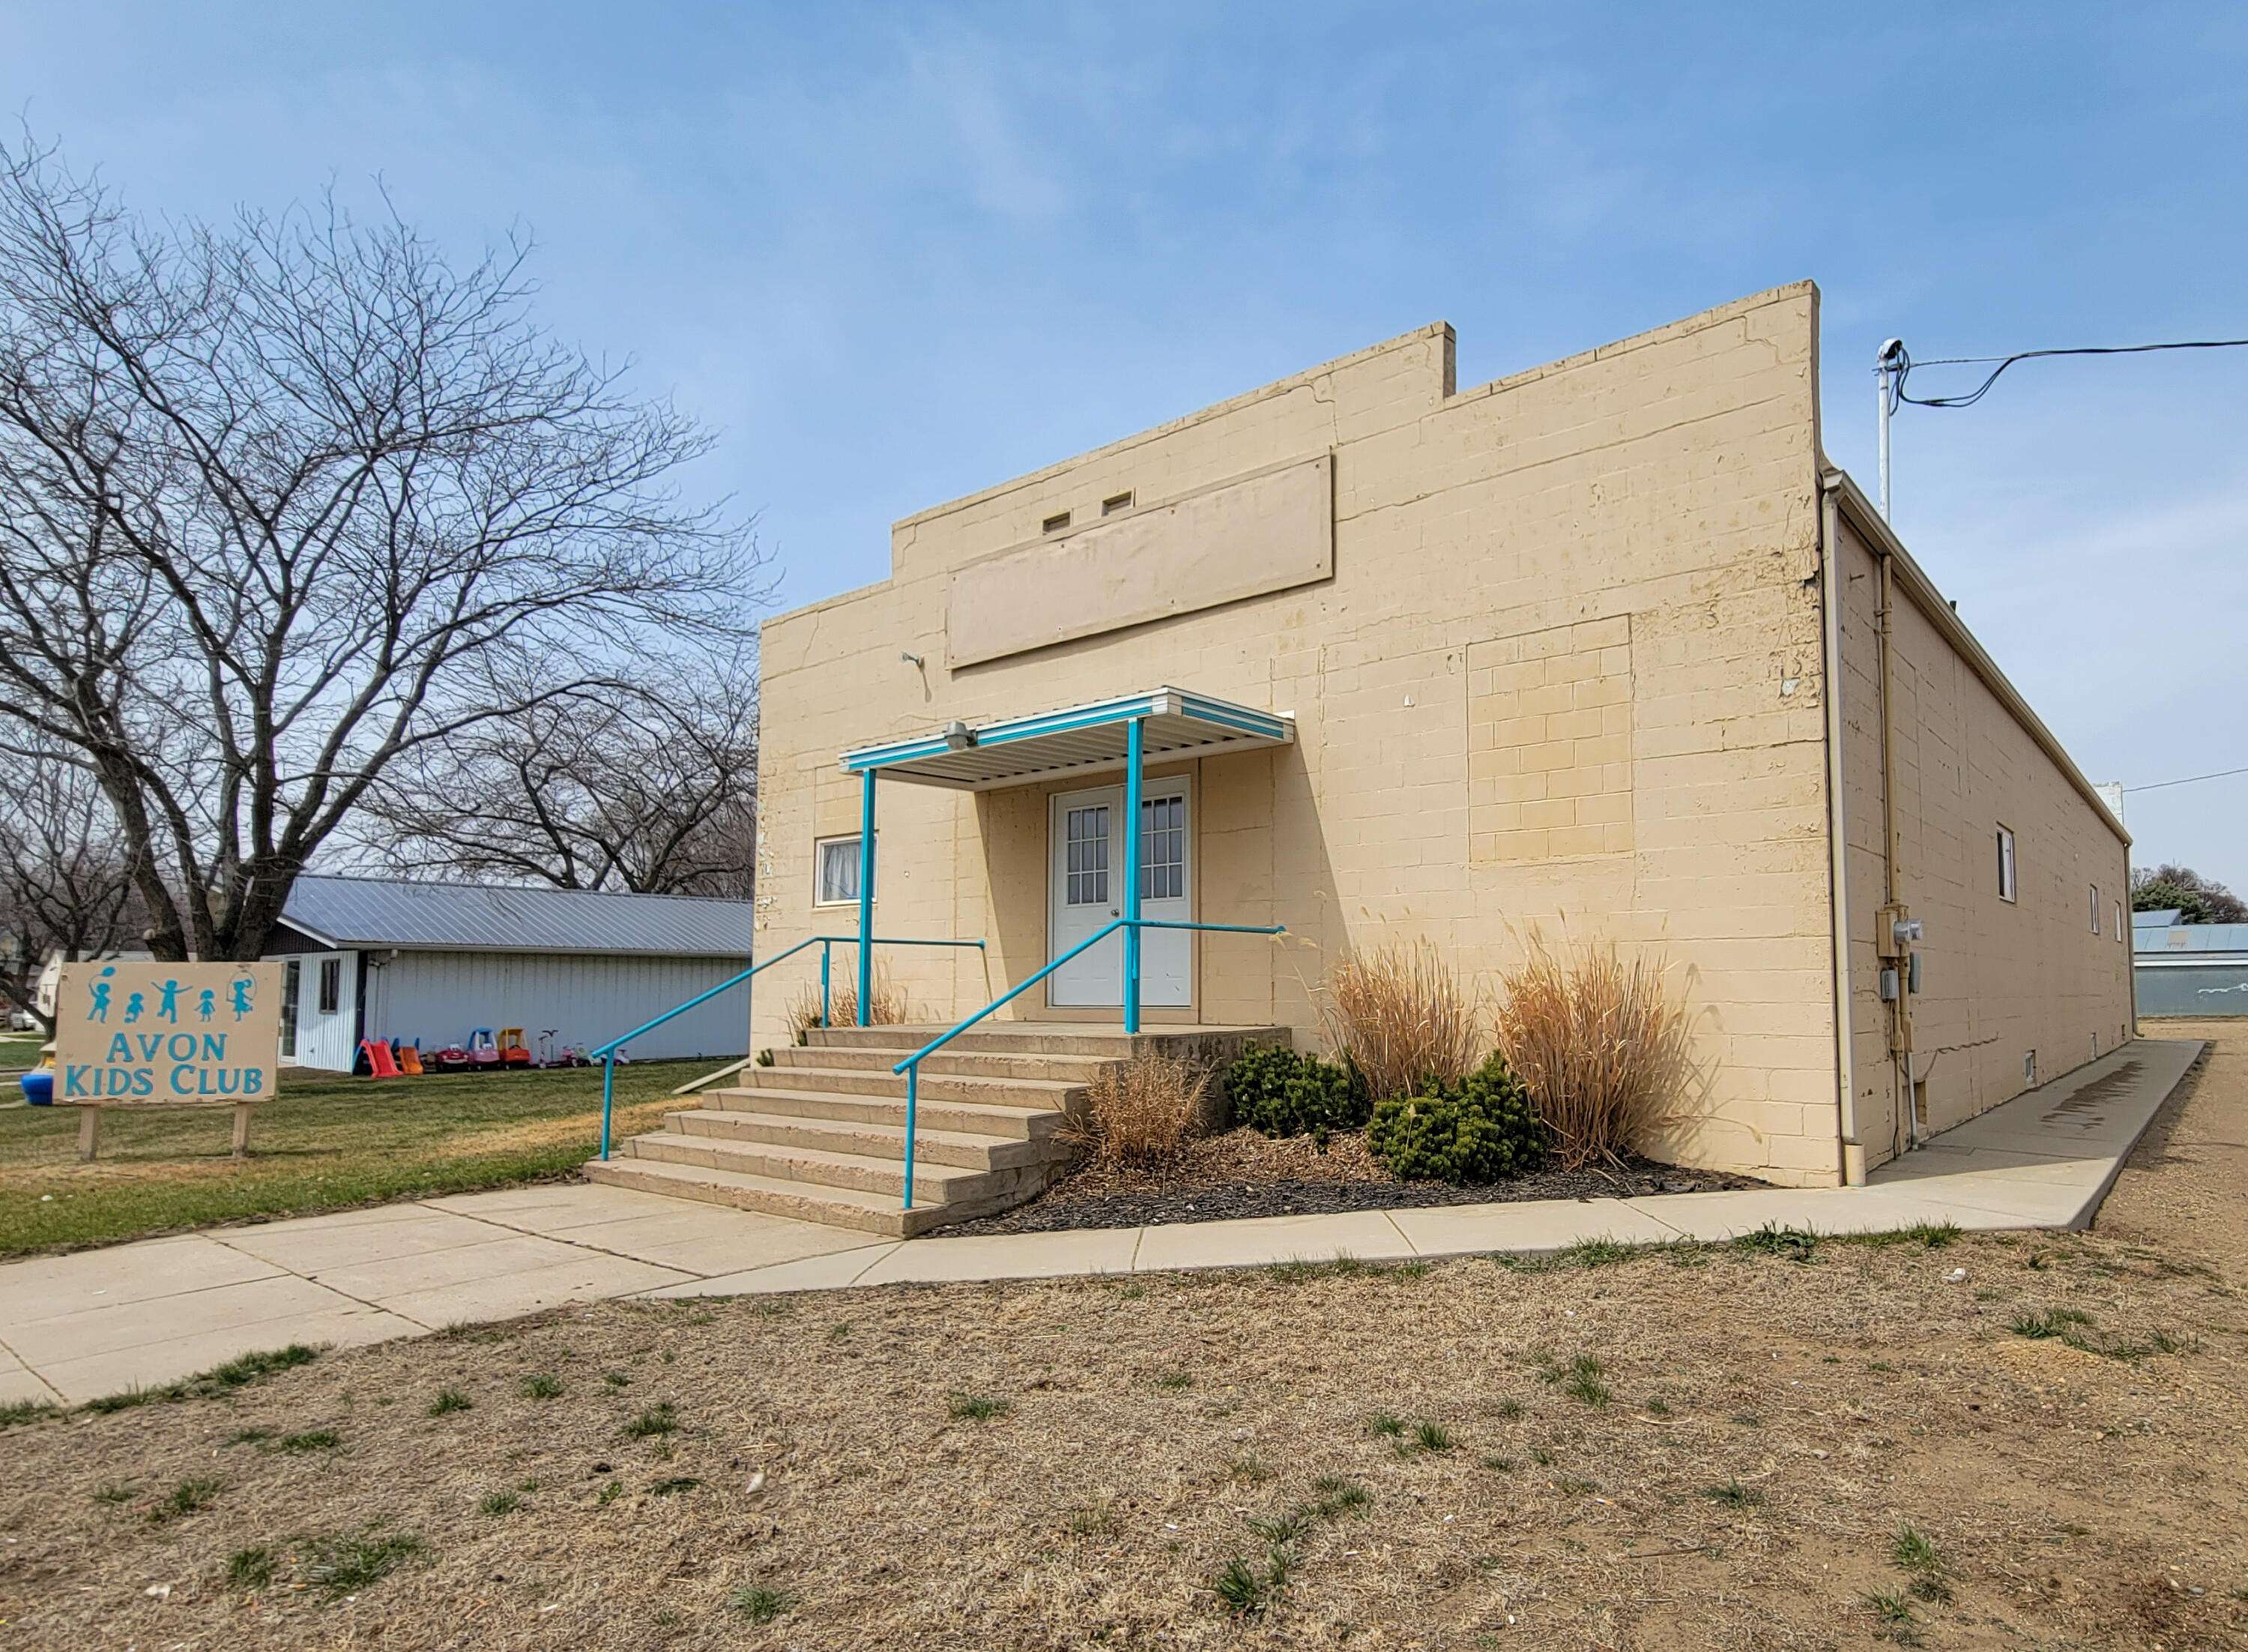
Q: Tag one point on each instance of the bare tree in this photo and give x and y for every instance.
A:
(66, 883)
(284, 501)
(651, 789)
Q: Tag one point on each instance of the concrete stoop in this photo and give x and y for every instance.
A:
(820, 1135)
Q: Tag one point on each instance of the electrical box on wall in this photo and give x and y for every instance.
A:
(1895, 930)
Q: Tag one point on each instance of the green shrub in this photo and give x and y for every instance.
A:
(1259, 1076)
(1280, 1093)
(1485, 1130)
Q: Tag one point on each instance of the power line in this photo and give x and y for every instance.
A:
(1902, 364)
(2191, 780)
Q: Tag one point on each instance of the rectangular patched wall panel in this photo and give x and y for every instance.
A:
(1549, 744)
(1270, 531)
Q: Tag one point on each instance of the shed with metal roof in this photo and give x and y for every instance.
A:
(430, 964)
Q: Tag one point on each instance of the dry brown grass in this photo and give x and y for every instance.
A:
(1141, 1113)
(1603, 1042)
(1400, 1014)
(1850, 1395)
(1742, 1489)
(890, 1005)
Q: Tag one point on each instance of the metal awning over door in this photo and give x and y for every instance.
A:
(1085, 739)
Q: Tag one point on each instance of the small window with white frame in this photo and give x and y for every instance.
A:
(2095, 908)
(835, 863)
(2119, 920)
(2006, 863)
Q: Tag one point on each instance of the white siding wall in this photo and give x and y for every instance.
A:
(588, 999)
(327, 1040)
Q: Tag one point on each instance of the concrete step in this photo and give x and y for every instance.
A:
(1022, 1037)
(949, 1063)
(973, 1118)
(933, 1183)
(834, 1207)
(1051, 1039)
(1049, 1092)
(867, 1139)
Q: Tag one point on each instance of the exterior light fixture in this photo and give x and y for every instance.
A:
(958, 736)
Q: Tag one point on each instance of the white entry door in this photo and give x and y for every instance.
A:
(1086, 875)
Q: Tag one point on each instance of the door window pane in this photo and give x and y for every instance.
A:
(1086, 867)
(1163, 848)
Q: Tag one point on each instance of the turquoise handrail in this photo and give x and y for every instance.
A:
(911, 1066)
(824, 943)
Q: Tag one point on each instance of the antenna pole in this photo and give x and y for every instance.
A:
(1885, 366)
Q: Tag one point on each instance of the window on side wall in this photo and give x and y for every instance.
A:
(2119, 920)
(2006, 863)
(331, 984)
(2095, 908)
(836, 868)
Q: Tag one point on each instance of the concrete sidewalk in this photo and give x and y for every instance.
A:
(75, 1327)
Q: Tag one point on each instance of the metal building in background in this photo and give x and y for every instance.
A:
(2188, 969)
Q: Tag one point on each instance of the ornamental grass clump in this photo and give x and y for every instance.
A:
(1140, 1113)
(1603, 1044)
(888, 999)
(1483, 1130)
(1398, 1015)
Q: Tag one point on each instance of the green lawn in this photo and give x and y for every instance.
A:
(19, 1049)
(323, 1143)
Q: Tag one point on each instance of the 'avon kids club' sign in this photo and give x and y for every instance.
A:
(202, 1034)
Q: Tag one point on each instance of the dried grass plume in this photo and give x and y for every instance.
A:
(1604, 1044)
(1140, 1112)
(1398, 1014)
(890, 1006)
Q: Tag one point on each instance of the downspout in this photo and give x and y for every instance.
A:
(1893, 868)
(1830, 587)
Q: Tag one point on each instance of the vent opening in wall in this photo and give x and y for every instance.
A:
(1116, 502)
(1919, 1102)
(2029, 1067)
(1055, 524)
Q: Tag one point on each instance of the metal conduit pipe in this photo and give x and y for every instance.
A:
(1830, 586)
(1906, 1114)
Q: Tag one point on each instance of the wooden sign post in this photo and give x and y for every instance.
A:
(142, 1034)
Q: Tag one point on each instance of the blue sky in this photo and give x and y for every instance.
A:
(899, 253)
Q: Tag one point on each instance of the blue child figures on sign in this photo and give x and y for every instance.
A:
(98, 1009)
(241, 996)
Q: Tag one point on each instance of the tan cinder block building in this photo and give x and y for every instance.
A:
(1410, 661)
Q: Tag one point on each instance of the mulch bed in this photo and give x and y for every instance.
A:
(1242, 1173)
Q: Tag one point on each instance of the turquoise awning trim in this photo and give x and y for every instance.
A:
(1082, 739)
